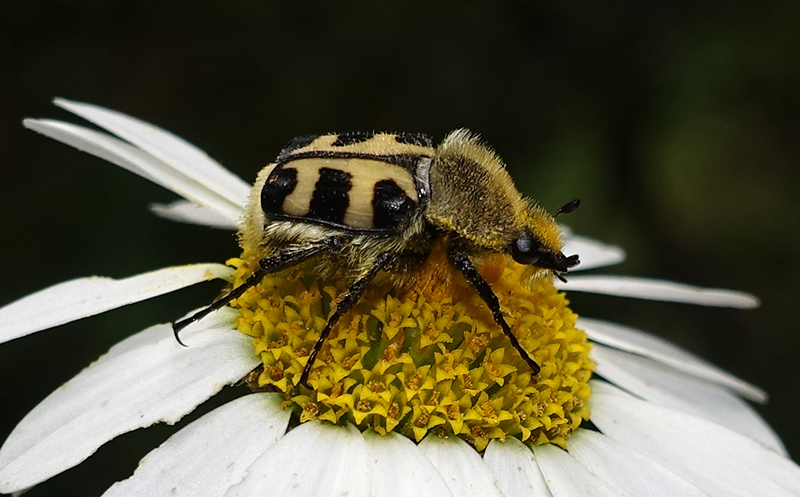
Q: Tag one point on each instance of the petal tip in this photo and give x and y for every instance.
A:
(64, 103)
(753, 301)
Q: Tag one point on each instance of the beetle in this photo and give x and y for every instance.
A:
(364, 202)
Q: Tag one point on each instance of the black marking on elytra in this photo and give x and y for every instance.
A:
(352, 137)
(407, 161)
(414, 139)
(280, 183)
(329, 202)
(391, 207)
(295, 144)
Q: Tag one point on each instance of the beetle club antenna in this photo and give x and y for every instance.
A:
(568, 207)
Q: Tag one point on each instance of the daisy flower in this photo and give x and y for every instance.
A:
(415, 392)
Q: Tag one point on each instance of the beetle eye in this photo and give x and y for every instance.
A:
(523, 250)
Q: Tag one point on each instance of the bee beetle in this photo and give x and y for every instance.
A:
(371, 202)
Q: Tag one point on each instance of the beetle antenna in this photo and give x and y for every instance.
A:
(568, 207)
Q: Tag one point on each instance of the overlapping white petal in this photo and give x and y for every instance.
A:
(515, 469)
(626, 470)
(668, 387)
(212, 454)
(135, 160)
(175, 152)
(146, 379)
(593, 254)
(398, 468)
(663, 291)
(566, 476)
(184, 211)
(463, 470)
(717, 460)
(636, 341)
(83, 297)
(313, 460)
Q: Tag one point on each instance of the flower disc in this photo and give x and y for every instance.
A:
(424, 356)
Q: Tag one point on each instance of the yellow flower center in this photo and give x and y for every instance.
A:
(424, 357)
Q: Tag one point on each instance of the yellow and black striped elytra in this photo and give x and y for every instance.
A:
(353, 181)
(361, 203)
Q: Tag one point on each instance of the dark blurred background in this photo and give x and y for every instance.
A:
(676, 123)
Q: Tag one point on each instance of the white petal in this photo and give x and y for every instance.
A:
(716, 459)
(133, 159)
(184, 211)
(566, 476)
(211, 454)
(314, 460)
(626, 470)
(668, 387)
(398, 468)
(143, 380)
(636, 341)
(665, 291)
(83, 297)
(168, 148)
(593, 254)
(515, 469)
(459, 464)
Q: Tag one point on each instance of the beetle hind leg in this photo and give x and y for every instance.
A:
(344, 304)
(268, 265)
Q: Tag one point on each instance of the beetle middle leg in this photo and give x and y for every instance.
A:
(461, 261)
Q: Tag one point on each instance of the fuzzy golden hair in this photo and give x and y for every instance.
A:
(473, 195)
